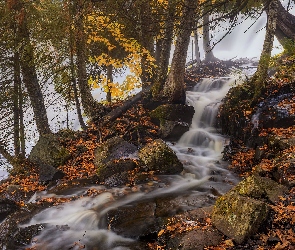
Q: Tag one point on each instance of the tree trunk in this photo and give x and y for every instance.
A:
(164, 48)
(174, 86)
(260, 76)
(285, 27)
(197, 48)
(109, 80)
(90, 106)
(209, 56)
(146, 39)
(29, 73)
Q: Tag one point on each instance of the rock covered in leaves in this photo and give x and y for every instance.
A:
(175, 120)
(159, 157)
(239, 213)
(112, 160)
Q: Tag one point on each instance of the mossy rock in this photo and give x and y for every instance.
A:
(49, 151)
(174, 112)
(239, 213)
(159, 157)
(239, 217)
(260, 188)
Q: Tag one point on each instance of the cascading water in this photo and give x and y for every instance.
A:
(81, 223)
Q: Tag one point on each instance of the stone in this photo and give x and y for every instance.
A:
(134, 221)
(7, 207)
(113, 149)
(174, 120)
(198, 239)
(159, 157)
(239, 217)
(49, 151)
(174, 112)
(111, 160)
(173, 130)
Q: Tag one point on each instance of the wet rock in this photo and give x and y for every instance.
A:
(174, 119)
(196, 239)
(14, 237)
(115, 167)
(49, 151)
(271, 113)
(49, 173)
(113, 149)
(134, 221)
(158, 157)
(7, 207)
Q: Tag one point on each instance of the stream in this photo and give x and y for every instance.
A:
(81, 224)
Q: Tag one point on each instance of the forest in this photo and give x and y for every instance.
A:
(61, 59)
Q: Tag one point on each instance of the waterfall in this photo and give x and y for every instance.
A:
(81, 223)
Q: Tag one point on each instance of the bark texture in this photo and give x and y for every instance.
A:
(30, 78)
(261, 74)
(174, 86)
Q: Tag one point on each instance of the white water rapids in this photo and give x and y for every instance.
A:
(81, 223)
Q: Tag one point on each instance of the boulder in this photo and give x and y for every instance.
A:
(134, 221)
(7, 207)
(197, 239)
(237, 216)
(239, 213)
(174, 120)
(159, 157)
(49, 151)
(112, 160)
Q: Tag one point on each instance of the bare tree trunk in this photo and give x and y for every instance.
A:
(73, 78)
(197, 48)
(260, 76)
(146, 39)
(91, 107)
(174, 86)
(30, 75)
(209, 56)
(285, 27)
(109, 79)
(164, 49)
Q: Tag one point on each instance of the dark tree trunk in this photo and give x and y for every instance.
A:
(285, 27)
(90, 106)
(174, 86)
(146, 39)
(109, 80)
(164, 48)
(29, 73)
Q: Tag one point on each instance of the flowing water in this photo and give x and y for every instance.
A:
(83, 222)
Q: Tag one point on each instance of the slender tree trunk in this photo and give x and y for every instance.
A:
(16, 108)
(174, 86)
(197, 48)
(30, 75)
(209, 56)
(261, 74)
(90, 106)
(109, 80)
(164, 49)
(146, 39)
(73, 78)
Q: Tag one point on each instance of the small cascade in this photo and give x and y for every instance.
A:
(82, 223)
